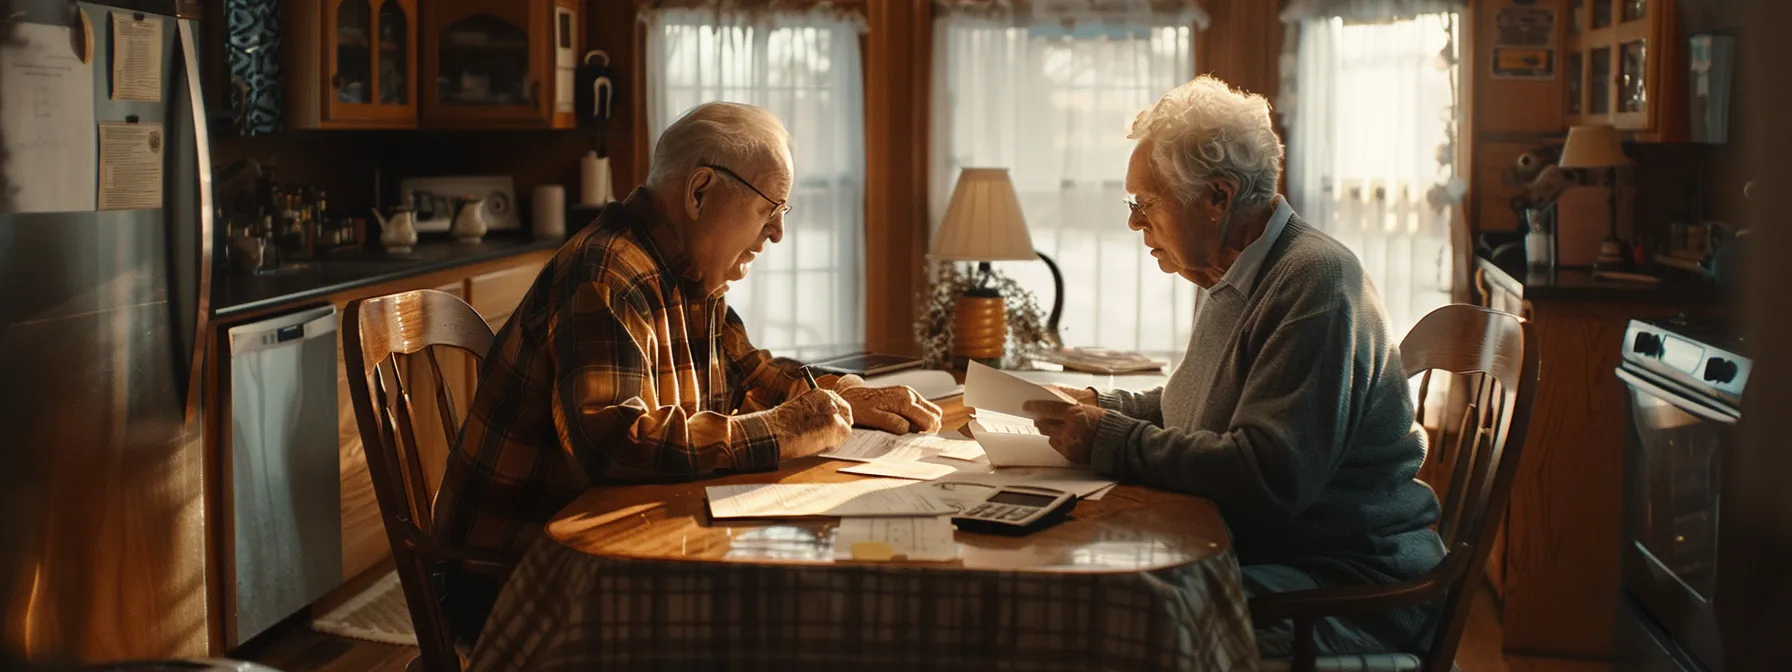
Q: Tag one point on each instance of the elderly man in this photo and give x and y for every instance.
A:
(1290, 409)
(623, 363)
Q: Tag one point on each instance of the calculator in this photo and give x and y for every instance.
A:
(1015, 510)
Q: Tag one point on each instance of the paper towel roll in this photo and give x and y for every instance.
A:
(594, 180)
(550, 212)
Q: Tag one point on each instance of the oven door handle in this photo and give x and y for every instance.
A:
(1663, 394)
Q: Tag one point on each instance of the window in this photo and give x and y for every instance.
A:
(1370, 151)
(805, 295)
(1052, 105)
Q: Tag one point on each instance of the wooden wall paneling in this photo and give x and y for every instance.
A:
(898, 63)
(1492, 198)
(1516, 105)
(1505, 116)
(1462, 219)
(1242, 45)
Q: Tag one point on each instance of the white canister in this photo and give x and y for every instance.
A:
(1540, 249)
(592, 175)
(549, 217)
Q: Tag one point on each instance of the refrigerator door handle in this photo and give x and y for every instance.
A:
(189, 47)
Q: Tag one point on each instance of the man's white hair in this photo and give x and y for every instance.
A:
(732, 135)
(1205, 130)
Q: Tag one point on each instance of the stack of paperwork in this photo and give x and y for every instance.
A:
(921, 479)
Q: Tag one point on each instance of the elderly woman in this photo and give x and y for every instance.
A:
(1290, 409)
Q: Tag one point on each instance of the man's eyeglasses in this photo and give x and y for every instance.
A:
(778, 207)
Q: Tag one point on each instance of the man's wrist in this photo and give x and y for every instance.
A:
(755, 441)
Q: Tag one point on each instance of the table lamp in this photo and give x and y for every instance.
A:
(1598, 146)
(984, 223)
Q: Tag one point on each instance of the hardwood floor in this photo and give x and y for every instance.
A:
(294, 647)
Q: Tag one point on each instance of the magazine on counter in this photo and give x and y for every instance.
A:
(1100, 360)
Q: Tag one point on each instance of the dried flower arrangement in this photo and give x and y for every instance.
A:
(1026, 322)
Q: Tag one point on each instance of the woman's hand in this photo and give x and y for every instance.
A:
(1071, 427)
(1082, 395)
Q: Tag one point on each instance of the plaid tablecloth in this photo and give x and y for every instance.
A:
(565, 610)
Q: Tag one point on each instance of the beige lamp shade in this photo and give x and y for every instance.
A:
(1595, 146)
(983, 222)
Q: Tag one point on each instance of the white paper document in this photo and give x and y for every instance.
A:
(136, 57)
(131, 159)
(930, 383)
(987, 389)
(1012, 441)
(868, 497)
(46, 107)
(877, 539)
(920, 471)
(962, 449)
(867, 445)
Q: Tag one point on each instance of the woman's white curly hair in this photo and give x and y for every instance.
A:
(1205, 130)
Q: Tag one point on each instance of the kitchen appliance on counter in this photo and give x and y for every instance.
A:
(437, 200)
(1685, 380)
(102, 499)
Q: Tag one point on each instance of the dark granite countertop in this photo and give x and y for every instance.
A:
(236, 294)
(1580, 284)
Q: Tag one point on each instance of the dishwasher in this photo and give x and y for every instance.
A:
(285, 488)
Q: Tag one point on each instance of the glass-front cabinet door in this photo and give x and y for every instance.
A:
(488, 63)
(1622, 66)
(369, 58)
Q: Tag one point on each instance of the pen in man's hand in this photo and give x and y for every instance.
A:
(810, 377)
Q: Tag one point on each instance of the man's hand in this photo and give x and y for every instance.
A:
(1082, 395)
(813, 422)
(1071, 427)
(897, 410)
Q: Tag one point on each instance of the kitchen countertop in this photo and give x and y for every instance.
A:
(1579, 284)
(236, 294)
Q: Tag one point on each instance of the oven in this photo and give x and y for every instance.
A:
(1684, 398)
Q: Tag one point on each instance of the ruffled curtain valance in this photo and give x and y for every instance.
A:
(1367, 11)
(1069, 13)
(749, 12)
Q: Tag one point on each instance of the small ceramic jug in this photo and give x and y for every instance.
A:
(398, 232)
(469, 223)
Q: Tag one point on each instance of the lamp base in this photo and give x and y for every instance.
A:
(979, 328)
(1611, 255)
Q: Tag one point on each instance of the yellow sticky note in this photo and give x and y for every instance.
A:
(873, 551)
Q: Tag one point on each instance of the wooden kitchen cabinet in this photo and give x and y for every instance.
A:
(499, 63)
(1626, 65)
(496, 295)
(352, 64)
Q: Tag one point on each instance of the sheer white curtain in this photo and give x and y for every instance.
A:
(1371, 144)
(1052, 104)
(804, 296)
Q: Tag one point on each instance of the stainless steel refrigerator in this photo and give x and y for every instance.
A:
(102, 492)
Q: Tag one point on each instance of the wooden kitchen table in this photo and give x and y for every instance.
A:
(640, 577)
